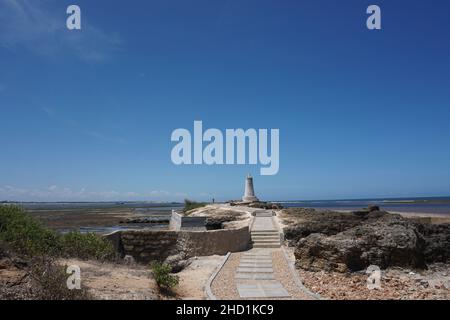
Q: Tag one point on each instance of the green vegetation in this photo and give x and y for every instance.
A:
(162, 276)
(190, 205)
(21, 234)
(26, 236)
(86, 246)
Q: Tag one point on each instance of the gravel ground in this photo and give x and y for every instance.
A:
(396, 283)
(223, 286)
(283, 274)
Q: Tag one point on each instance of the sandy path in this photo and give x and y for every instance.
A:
(193, 279)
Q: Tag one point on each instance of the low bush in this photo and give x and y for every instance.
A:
(26, 236)
(86, 246)
(161, 273)
(190, 205)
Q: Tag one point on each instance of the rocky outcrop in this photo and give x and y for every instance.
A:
(392, 242)
(326, 222)
(157, 219)
(178, 261)
(350, 241)
(265, 205)
(437, 241)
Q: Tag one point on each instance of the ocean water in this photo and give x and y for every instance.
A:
(161, 211)
(432, 205)
(138, 206)
(158, 213)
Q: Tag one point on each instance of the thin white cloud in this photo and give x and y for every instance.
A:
(37, 27)
(48, 111)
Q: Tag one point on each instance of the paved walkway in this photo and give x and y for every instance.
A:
(254, 277)
(263, 272)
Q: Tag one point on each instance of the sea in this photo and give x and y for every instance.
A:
(162, 211)
(429, 205)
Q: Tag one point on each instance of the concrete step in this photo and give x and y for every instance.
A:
(261, 236)
(256, 259)
(263, 214)
(258, 255)
(266, 242)
(266, 245)
(255, 265)
(265, 233)
(264, 237)
(253, 270)
(257, 262)
(254, 276)
(262, 289)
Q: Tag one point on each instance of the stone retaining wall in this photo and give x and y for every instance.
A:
(148, 245)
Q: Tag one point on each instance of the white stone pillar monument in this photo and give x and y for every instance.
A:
(249, 195)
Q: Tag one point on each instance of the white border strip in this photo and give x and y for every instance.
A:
(297, 279)
(208, 291)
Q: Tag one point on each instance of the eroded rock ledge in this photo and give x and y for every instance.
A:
(351, 241)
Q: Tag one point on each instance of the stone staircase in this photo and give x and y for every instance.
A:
(264, 234)
(266, 239)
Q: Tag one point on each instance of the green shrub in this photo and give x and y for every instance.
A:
(86, 246)
(162, 276)
(190, 205)
(24, 234)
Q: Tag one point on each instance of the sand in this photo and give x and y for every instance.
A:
(135, 282)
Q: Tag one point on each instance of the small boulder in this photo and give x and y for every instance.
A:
(177, 262)
(129, 260)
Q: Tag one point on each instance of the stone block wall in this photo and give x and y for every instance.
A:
(222, 241)
(149, 245)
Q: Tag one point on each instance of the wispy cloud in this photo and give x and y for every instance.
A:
(36, 26)
(56, 193)
(48, 111)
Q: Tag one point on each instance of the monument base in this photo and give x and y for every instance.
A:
(250, 199)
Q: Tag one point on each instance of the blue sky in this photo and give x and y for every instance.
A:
(87, 115)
